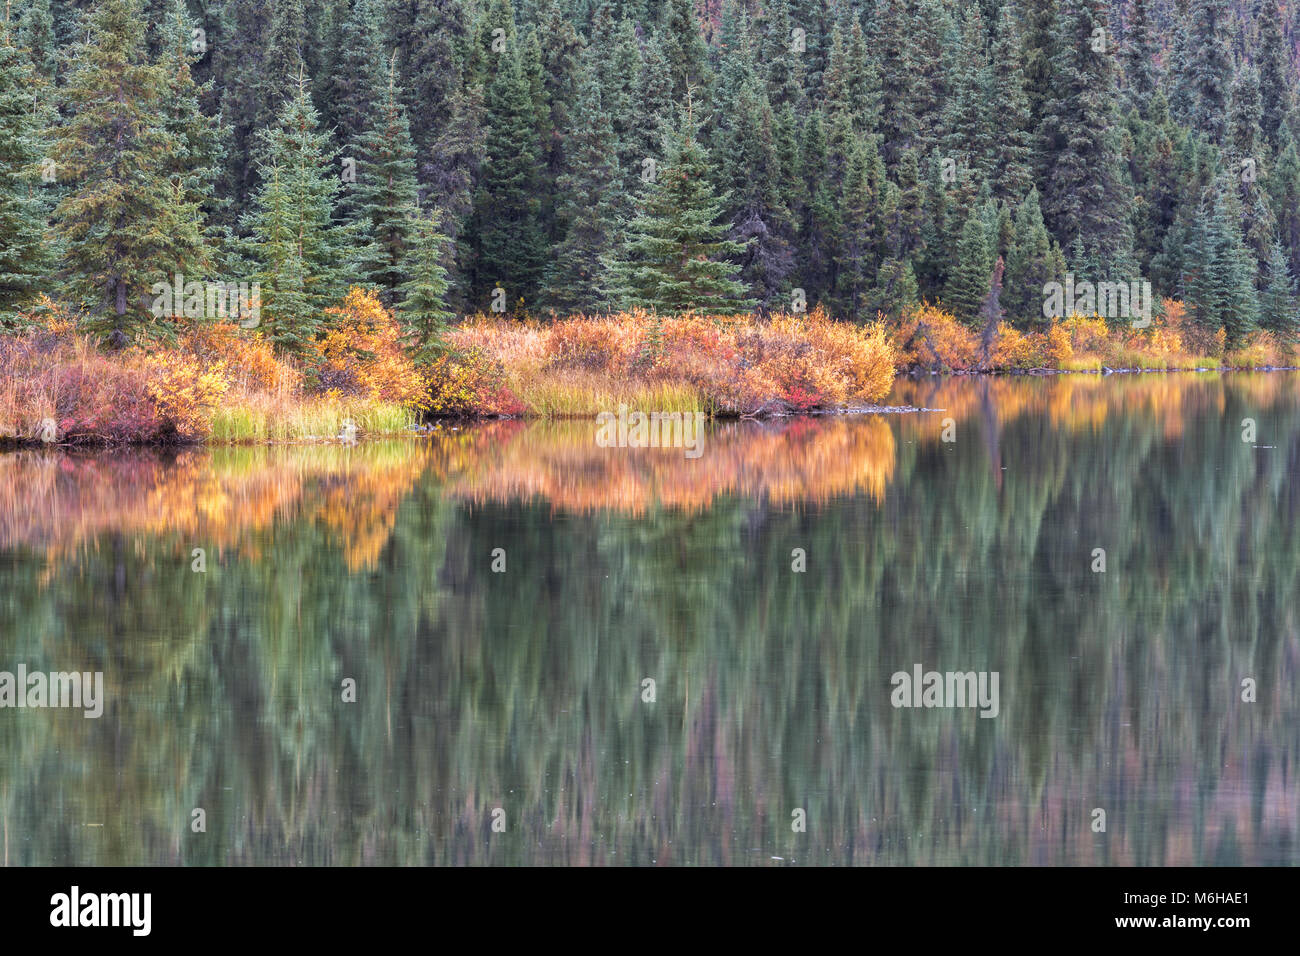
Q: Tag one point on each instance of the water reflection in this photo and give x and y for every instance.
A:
(522, 690)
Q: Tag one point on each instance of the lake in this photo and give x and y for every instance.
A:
(505, 644)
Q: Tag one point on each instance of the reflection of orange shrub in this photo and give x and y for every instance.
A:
(362, 354)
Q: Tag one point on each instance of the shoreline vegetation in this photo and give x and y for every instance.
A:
(218, 383)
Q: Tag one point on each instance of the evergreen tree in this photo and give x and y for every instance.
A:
(857, 253)
(684, 50)
(1209, 67)
(1141, 72)
(675, 258)
(580, 275)
(1087, 196)
(509, 241)
(1220, 280)
(423, 309)
(1277, 73)
(969, 282)
(23, 254)
(357, 82)
(199, 153)
(1032, 261)
(124, 224)
(1013, 146)
(385, 192)
(299, 251)
(1277, 306)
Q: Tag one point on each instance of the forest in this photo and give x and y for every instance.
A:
(375, 170)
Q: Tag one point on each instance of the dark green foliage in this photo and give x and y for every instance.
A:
(298, 249)
(423, 310)
(23, 255)
(124, 223)
(676, 257)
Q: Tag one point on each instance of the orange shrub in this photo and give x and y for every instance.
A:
(1022, 351)
(932, 338)
(362, 354)
(185, 392)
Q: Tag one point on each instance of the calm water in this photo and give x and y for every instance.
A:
(1119, 690)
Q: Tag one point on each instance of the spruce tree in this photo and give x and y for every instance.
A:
(509, 241)
(385, 191)
(357, 77)
(23, 254)
(423, 310)
(1087, 195)
(676, 257)
(579, 277)
(1220, 281)
(124, 224)
(969, 281)
(1208, 72)
(1277, 305)
(299, 250)
(1141, 72)
(1013, 146)
(1277, 73)
(1032, 262)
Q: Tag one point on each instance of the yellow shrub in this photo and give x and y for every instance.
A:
(185, 393)
(362, 354)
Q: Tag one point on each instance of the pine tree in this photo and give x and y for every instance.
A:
(969, 281)
(1277, 305)
(1087, 194)
(299, 250)
(423, 310)
(1277, 74)
(385, 191)
(1141, 72)
(23, 254)
(509, 241)
(124, 224)
(675, 258)
(579, 278)
(1013, 146)
(1031, 263)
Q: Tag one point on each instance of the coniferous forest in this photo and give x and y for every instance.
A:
(546, 158)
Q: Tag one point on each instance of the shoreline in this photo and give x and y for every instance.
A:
(454, 422)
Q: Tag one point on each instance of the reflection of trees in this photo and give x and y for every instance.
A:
(521, 690)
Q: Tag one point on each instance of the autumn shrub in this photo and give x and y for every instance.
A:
(361, 354)
(930, 338)
(733, 365)
(464, 382)
(185, 392)
(1022, 351)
